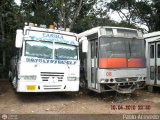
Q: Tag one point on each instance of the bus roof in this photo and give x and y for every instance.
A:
(96, 30)
(153, 36)
(49, 30)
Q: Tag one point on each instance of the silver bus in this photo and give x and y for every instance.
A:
(153, 59)
(112, 59)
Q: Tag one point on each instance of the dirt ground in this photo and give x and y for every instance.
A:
(139, 102)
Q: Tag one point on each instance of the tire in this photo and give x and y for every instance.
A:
(14, 79)
(10, 76)
(150, 88)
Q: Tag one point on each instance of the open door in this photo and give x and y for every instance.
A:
(93, 63)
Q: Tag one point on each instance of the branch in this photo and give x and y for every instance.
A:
(76, 13)
(120, 15)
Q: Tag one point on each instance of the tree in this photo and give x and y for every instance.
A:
(36, 11)
(8, 20)
(125, 9)
(148, 13)
(144, 12)
(91, 21)
(69, 10)
(62, 13)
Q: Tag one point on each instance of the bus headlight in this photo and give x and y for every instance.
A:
(28, 77)
(104, 80)
(72, 78)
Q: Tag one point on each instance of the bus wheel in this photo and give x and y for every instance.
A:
(14, 81)
(9, 76)
(84, 87)
(150, 88)
(83, 84)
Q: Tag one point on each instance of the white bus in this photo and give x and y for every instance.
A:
(153, 59)
(112, 59)
(47, 61)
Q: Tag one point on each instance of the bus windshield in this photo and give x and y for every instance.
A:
(123, 49)
(44, 49)
(65, 52)
(40, 49)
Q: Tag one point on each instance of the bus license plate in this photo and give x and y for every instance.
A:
(31, 87)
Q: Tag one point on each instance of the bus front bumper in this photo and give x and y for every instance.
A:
(27, 86)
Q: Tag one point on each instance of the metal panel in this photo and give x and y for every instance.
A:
(93, 66)
(152, 63)
(157, 63)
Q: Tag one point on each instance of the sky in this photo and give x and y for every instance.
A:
(18, 2)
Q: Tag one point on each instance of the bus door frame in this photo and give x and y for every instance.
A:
(154, 63)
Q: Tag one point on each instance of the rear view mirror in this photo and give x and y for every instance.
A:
(84, 44)
(19, 38)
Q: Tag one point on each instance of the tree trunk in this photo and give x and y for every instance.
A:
(62, 15)
(3, 42)
(76, 13)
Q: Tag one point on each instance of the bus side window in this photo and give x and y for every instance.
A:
(152, 51)
(92, 50)
(158, 51)
(96, 49)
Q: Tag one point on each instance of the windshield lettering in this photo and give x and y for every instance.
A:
(51, 35)
(39, 60)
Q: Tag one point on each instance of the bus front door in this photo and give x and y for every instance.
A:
(93, 63)
(154, 61)
(157, 63)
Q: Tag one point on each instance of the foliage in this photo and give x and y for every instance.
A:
(76, 15)
(121, 5)
(69, 10)
(148, 13)
(62, 13)
(88, 22)
(36, 11)
(91, 21)
(8, 23)
(144, 12)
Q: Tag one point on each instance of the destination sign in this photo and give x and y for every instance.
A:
(50, 36)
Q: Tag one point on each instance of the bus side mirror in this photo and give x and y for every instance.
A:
(19, 38)
(84, 44)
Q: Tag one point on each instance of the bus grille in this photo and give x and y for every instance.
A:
(131, 79)
(120, 79)
(51, 87)
(46, 75)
